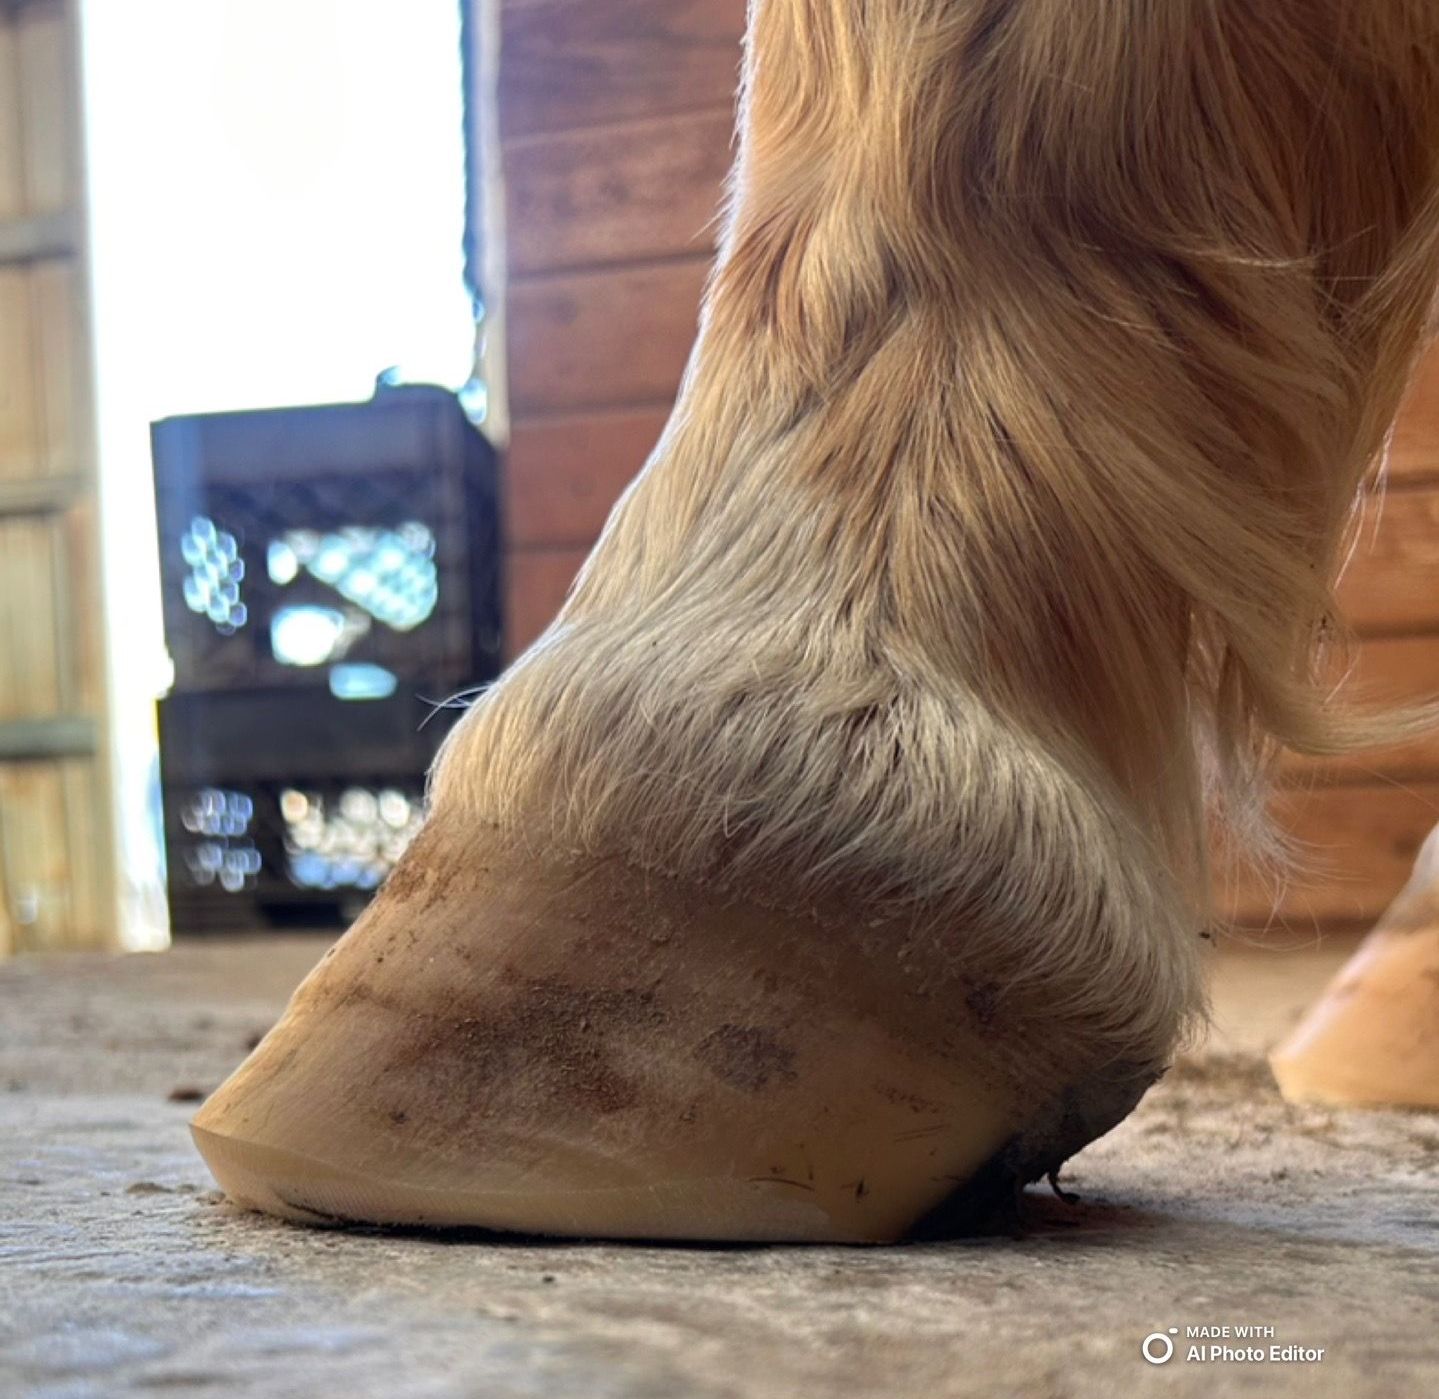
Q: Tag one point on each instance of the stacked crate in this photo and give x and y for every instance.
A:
(56, 852)
(330, 577)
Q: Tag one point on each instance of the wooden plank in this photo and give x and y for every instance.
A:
(563, 475)
(54, 303)
(12, 164)
(536, 581)
(1414, 451)
(29, 634)
(618, 194)
(1393, 583)
(9, 939)
(76, 575)
(598, 339)
(82, 791)
(19, 436)
(35, 854)
(75, 583)
(569, 67)
(49, 101)
(1358, 845)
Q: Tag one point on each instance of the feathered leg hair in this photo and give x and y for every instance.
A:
(988, 555)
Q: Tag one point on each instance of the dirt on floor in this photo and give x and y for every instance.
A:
(122, 1271)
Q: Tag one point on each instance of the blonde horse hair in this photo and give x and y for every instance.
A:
(988, 555)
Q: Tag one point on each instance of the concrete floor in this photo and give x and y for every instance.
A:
(122, 1271)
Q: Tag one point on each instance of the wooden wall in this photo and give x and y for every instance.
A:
(56, 885)
(615, 123)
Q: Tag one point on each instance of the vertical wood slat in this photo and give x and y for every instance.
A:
(12, 163)
(11, 909)
(40, 394)
(60, 419)
(82, 795)
(36, 854)
(48, 106)
(82, 678)
(9, 942)
(29, 628)
(19, 430)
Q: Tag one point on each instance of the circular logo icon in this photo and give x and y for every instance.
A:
(1157, 1348)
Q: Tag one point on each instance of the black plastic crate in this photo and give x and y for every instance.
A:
(287, 807)
(331, 576)
(262, 734)
(305, 852)
(350, 544)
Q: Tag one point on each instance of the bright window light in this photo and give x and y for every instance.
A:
(276, 193)
(277, 189)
